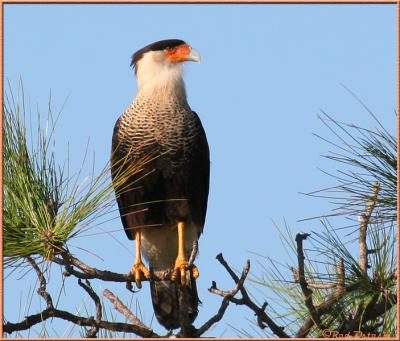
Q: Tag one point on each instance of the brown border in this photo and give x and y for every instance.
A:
(2, 2)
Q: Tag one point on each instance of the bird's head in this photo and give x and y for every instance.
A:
(160, 64)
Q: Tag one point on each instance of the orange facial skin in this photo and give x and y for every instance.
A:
(178, 54)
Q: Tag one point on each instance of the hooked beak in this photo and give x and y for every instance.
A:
(194, 56)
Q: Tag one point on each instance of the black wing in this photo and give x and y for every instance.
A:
(200, 176)
(132, 195)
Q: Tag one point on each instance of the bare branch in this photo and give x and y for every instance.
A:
(140, 328)
(42, 289)
(223, 293)
(31, 320)
(262, 317)
(99, 314)
(51, 312)
(225, 302)
(88, 272)
(232, 273)
(307, 292)
(364, 220)
(362, 241)
(195, 250)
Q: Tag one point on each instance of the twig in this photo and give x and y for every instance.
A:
(224, 293)
(364, 220)
(140, 328)
(262, 316)
(195, 250)
(92, 332)
(89, 272)
(225, 302)
(51, 312)
(31, 320)
(362, 241)
(307, 292)
(42, 289)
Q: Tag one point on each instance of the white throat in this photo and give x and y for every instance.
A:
(158, 77)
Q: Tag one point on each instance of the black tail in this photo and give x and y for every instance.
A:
(165, 298)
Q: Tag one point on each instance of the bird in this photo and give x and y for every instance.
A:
(165, 211)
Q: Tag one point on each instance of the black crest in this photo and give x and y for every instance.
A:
(156, 46)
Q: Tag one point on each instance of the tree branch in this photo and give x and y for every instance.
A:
(307, 292)
(99, 313)
(140, 328)
(195, 250)
(364, 220)
(78, 320)
(88, 272)
(262, 318)
(42, 288)
(50, 311)
(362, 241)
(227, 297)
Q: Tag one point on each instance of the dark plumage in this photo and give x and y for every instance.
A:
(174, 135)
(160, 123)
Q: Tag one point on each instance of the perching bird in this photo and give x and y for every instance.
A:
(165, 211)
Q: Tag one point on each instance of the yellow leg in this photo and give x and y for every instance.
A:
(181, 263)
(138, 269)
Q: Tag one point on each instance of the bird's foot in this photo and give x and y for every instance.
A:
(139, 272)
(181, 268)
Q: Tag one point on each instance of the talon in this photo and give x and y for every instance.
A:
(195, 271)
(180, 271)
(139, 272)
(183, 275)
(174, 274)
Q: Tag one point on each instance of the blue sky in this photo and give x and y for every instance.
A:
(266, 72)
